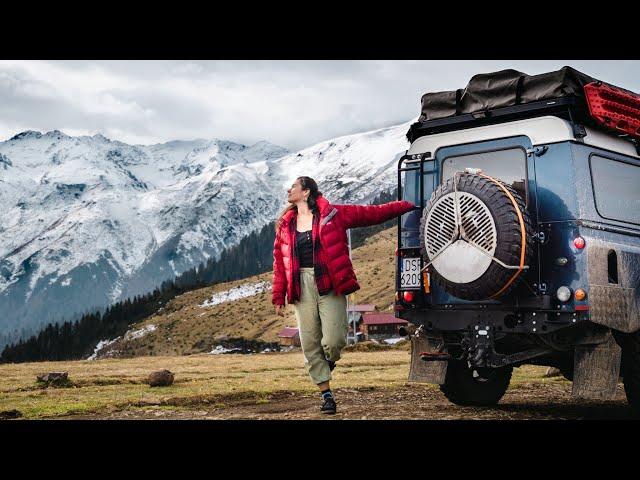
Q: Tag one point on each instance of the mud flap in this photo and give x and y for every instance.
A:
(421, 371)
(596, 370)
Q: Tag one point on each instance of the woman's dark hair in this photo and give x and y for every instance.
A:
(307, 183)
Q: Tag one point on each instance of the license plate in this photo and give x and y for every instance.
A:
(410, 273)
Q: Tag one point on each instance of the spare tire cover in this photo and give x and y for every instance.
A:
(494, 224)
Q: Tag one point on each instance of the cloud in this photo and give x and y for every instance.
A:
(291, 103)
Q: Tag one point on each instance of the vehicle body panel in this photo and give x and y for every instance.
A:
(560, 200)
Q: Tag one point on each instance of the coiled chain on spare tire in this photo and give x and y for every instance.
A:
(460, 237)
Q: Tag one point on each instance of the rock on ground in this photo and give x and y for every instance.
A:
(160, 378)
(54, 378)
(8, 414)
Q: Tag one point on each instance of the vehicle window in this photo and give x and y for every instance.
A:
(508, 165)
(411, 187)
(616, 188)
(411, 190)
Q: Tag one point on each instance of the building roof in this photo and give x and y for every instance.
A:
(382, 319)
(288, 332)
(363, 307)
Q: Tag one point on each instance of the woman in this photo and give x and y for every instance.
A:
(311, 266)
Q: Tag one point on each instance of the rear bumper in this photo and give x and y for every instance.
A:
(504, 320)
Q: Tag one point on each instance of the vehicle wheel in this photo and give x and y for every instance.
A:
(491, 219)
(479, 387)
(630, 367)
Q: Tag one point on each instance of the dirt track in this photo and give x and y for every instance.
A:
(549, 400)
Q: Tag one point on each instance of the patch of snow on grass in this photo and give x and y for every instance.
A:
(102, 344)
(130, 335)
(236, 293)
(218, 349)
(133, 334)
(393, 341)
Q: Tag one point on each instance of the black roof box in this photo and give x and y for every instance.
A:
(503, 96)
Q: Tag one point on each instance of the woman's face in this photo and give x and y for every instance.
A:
(296, 194)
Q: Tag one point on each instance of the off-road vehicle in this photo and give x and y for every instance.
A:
(524, 247)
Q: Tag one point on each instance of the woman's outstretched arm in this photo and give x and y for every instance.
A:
(366, 215)
(279, 282)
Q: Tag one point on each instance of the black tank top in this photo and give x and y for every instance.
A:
(305, 249)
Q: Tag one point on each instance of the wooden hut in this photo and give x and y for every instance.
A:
(381, 325)
(289, 336)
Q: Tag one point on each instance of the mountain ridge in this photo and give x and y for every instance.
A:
(91, 220)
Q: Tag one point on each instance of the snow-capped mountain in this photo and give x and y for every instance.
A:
(88, 221)
(352, 168)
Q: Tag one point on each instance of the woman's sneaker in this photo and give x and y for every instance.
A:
(329, 406)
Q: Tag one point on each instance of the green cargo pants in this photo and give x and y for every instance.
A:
(322, 323)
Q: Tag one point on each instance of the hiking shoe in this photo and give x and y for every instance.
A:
(329, 406)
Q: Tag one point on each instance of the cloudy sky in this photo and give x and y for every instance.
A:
(290, 103)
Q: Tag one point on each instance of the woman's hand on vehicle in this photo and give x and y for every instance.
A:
(280, 310)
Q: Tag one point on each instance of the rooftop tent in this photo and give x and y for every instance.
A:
(487, 91)
(506, 95)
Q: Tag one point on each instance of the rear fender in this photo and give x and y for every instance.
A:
(614, 305)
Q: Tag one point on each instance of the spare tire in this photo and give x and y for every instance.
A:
(494, 219)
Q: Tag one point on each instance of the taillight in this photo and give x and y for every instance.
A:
(408, 296)
(396, 252)
(580, 294)
(397, 296)
(614, 108)
(579, 242)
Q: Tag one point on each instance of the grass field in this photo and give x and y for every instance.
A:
(115, 384)
(217, 385)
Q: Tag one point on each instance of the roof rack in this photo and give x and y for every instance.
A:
(570, 108)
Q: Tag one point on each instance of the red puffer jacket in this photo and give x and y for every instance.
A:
(332, 227)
